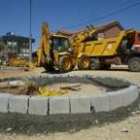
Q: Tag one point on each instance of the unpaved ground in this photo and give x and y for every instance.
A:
(80, 89)
(103, 131)
(60, 88)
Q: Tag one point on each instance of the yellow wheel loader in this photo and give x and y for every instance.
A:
(54, 52)
(62, 53)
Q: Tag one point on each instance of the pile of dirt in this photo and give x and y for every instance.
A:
(19, 87)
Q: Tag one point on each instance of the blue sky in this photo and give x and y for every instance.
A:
(65, 14)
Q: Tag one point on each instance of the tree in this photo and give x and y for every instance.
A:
(2, 46)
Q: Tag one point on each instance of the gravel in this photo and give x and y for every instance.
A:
(80, 127)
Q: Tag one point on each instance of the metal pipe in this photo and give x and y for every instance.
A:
(30, 38)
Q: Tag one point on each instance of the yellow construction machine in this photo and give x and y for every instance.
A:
(60, 52)
(54, 51)
(122, 49)
(63, 53)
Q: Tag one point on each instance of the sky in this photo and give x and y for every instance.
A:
(65, 14)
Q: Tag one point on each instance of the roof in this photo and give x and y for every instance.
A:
(60, 36)
(15, 38)
(99, 28)
(108, 25)
(66, 32)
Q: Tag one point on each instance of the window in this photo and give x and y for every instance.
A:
(60, 44)
(25, 54)
(9, 43)
(14, 43)
(27, 50)
(138, 36)
(24, 50)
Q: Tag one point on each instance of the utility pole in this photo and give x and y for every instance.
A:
(30, 38)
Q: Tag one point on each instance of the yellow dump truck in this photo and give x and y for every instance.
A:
(122, 49)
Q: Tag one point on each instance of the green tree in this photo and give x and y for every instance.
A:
(2, 46)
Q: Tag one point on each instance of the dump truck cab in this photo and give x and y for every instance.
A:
(132, 39)
(136, 44)
(132, 58)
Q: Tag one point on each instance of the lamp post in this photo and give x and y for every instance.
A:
(30, 38)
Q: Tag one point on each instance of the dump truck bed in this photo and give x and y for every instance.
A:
(105, 47)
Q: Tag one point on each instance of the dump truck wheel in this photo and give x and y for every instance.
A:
(65, 64)
(94, 64)
(84, 63)
(134, 64)
(105, 66)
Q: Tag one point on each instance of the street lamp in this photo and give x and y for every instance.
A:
(30, 38)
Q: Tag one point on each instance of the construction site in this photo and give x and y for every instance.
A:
(76, 84)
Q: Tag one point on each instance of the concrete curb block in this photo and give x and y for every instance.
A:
(18, 104)
(59, 105)
(4, 102)
(131, 94)
(80, 104)
(116, 99)
(100, 102)
(37, 105)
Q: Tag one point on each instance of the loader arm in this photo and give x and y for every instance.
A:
(44, 47)
(78, 39)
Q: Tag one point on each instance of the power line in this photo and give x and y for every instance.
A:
(85, 17)
(30, 38)
(105, 16)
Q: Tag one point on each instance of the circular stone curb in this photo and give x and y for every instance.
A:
(75, 104)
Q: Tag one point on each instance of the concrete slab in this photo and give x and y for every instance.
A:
(4, 101)
(59, 105)
(116, 99)
(100, 102)
(18, 104)
(139, 106)
(131, 94)
(80, 104)
(38, 105)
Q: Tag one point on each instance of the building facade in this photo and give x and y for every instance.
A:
(16, 46)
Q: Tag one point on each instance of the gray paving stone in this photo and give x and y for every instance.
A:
(30, 77)
(139, 106)
(80, 104)
(38, 105)
(100, 102)
(59, 105)
(4, 99)
(131, 94)
(116, 99)
(18, 104)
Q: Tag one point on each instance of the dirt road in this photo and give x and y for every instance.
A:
(122, 129)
